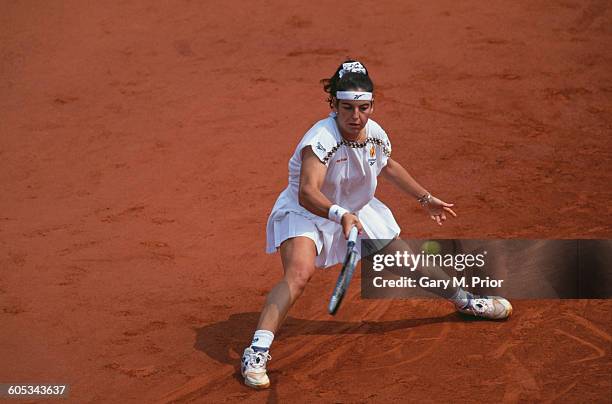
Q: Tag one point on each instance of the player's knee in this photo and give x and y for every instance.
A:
(299, 275)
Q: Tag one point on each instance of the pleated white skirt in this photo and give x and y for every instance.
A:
(288, 222)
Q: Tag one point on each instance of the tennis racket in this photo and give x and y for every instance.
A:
(348, 267)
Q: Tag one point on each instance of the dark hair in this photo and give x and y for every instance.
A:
(349, 82)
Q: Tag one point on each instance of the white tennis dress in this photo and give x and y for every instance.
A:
(350, 182)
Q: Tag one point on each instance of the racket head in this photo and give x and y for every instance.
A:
(344, 279)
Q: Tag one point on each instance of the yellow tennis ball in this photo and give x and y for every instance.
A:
(431, 247)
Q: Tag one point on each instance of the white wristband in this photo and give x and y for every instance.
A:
(336, 212)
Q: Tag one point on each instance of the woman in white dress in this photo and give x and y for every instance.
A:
(332, 180)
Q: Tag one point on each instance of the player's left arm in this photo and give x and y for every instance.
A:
(394, 172)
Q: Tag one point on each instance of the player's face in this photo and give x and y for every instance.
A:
(352, 116)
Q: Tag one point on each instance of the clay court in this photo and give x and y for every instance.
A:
(143, 144)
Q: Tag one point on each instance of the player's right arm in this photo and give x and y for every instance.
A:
(312, 175)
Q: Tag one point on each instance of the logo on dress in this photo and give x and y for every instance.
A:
(320, 147)
(372, 158)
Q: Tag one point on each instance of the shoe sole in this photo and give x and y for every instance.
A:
(257, 386)
(508, 308)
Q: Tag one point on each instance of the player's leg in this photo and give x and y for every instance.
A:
(491, 307)
(429, 271)
(298, 257)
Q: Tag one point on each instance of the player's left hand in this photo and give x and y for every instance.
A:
(437, 209)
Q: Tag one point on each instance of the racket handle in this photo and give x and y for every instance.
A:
(352, 237)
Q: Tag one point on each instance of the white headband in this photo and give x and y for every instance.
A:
(354, 95)
(351, 67)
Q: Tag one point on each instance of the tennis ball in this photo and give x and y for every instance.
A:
(431, 247)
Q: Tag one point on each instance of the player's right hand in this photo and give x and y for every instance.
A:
(348, 221)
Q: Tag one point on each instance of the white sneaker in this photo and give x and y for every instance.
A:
(253, 368)
(491, 307)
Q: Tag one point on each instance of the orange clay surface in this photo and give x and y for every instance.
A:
(143, 144)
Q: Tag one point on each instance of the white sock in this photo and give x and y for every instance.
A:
(460, 298)
(262, 339)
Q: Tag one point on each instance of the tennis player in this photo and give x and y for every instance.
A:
(332, 180)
